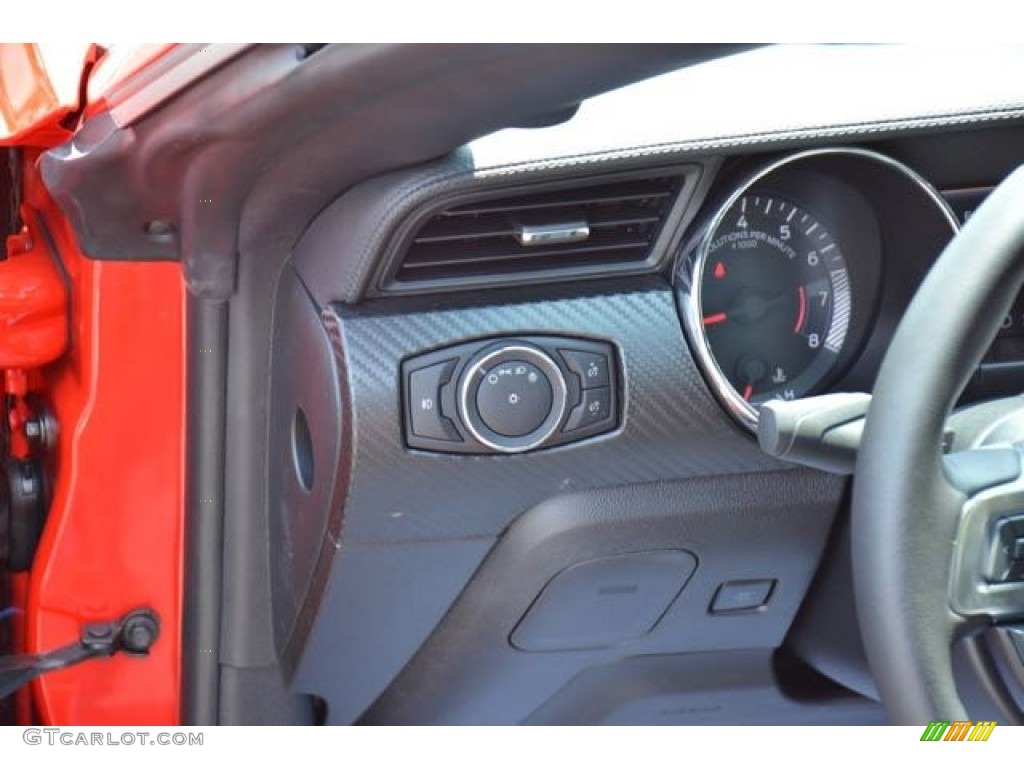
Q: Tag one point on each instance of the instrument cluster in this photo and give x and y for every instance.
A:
(800, 269)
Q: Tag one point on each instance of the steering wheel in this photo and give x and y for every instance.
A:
(934, 534)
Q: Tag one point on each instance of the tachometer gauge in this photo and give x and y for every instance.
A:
(779, 286)
(774, 297)
(767, 300)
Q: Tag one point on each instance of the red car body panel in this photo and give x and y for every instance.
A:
(103, 343)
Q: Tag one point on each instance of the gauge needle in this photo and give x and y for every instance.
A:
(721, 317)
(748, 391)
(801, 295)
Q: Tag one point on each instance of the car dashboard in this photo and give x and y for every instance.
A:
(547, 350)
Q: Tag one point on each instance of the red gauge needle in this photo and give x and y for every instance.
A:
(801, 295)
(748, 392)
(721, 317)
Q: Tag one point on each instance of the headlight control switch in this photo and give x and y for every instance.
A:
(509, 395)
(512, 397)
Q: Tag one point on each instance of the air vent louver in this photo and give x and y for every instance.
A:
(581, 228)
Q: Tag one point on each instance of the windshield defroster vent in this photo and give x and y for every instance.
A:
(593, 227)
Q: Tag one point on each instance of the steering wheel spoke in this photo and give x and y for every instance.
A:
(987, 571)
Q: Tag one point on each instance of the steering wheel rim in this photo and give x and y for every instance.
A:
(907, 509)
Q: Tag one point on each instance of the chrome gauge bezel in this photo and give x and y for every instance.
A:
(692, 258)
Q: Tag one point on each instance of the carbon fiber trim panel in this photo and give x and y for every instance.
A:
(671, 428)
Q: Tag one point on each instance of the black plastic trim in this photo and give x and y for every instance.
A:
(207, 324)
(736, 687)
(767, 525)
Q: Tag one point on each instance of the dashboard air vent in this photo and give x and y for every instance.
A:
(591, 227)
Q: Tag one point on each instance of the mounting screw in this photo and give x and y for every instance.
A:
(139, 632)
(160, 231)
